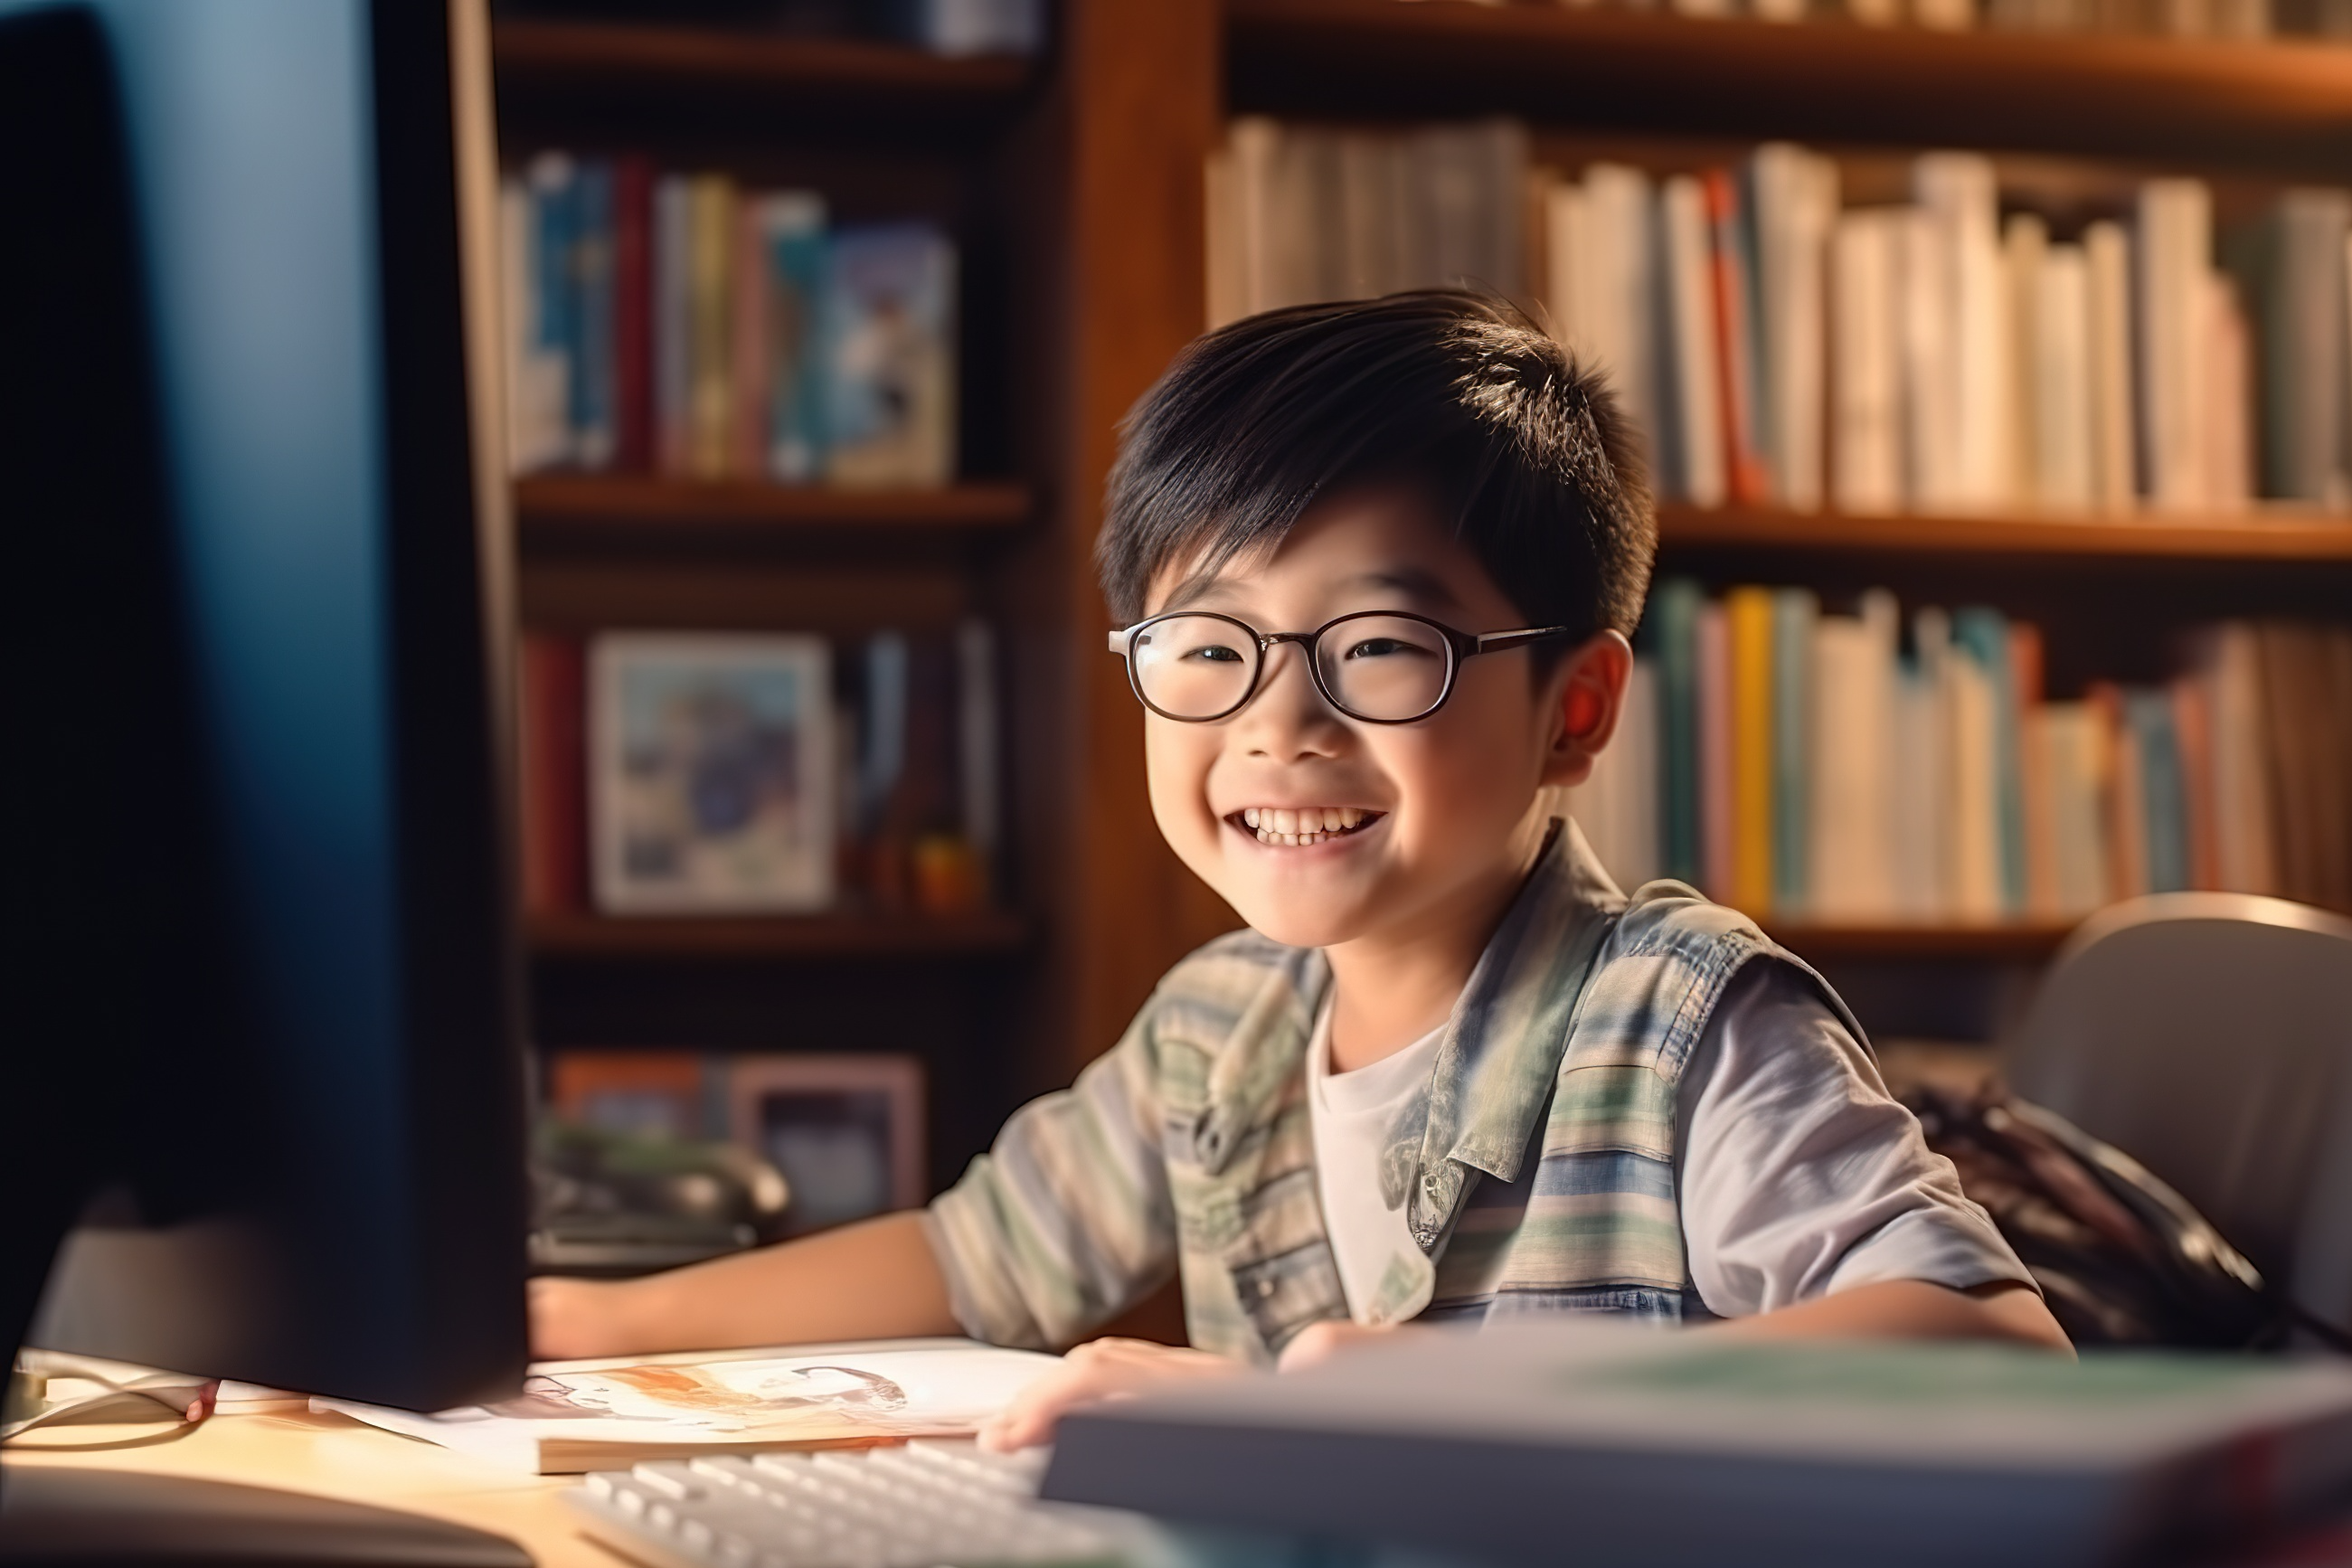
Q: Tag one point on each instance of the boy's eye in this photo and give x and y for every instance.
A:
(1379, 647)
(1217, 654)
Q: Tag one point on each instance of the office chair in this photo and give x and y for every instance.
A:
(2210, 1036)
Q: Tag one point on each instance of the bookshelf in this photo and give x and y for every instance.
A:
(583, 936)
(2283, 539)
(1077, 183)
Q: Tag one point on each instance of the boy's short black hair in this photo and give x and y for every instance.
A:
(1536, 468)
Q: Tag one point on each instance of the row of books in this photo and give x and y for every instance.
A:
(682, 774)
(1778, 348)
(1848, 768)
(2171, 19)
(679, 323)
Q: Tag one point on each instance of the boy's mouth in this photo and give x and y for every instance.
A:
(1299, 826)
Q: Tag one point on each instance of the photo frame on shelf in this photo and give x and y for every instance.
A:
(713, 774)
(847, 1131)
(668, 1094)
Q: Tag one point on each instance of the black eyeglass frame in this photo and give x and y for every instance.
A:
(1459, 645)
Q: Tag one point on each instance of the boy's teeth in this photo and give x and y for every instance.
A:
(1293, 826)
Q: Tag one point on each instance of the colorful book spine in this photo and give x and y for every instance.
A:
(1675, 608)
(1795, 616)
(1747, 621)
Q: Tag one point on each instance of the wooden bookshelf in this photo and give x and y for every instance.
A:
(2016, 942)
(865, 78)
(557, 509)
(2316, 538)
(2285, 104)
(984, 933)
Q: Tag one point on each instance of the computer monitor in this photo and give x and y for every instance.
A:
(260, 1061)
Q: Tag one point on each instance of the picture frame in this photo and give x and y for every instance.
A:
(670, 1094)
(713, 774)
(845, 1129)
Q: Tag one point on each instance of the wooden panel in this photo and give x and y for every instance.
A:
(2023, 940)
(648, 512)
(804, 936)
(832, 74)
(1140, 114)
(2274, 103)
(587, 591)
(2285, 537)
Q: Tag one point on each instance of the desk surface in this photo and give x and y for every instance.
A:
(335, 1456)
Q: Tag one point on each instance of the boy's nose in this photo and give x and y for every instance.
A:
(1288, 716)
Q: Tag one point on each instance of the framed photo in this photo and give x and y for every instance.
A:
(846, 1130)
(674, 1094)
(711, 774)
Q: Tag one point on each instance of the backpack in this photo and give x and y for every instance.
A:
(2122, 1259)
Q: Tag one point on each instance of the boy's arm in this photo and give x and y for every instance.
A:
(1913, 1310)
(876, 1280)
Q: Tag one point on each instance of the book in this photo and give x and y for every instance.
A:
(711, 245)
(1867, 431)
(1795, 613)
(1692, 460)
(889, 389)
(1852, 835)
(589, 281)
(1732, 271)
(1747, 615)
(2303, 328)
(673, 326)
(2175, 218)
(2062, 475)
(2115, 429)
(1676, 606)
(791, 229)
(1958, 204)
(1687, 1449)
(633, 320)
(611, 1414)
(1795, 202)
(552, 757)
(1711, 647)
(1617, 806)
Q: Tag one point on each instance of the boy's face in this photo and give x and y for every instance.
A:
(1444, 808)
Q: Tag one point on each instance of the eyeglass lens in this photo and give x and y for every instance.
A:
(1386, 668)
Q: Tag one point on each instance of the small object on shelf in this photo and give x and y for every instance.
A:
(712, 772)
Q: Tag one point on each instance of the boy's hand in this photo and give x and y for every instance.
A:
(1094, 1372)
(572, 1320)
(1319, 1342)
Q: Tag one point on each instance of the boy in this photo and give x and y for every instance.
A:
(1378, 563)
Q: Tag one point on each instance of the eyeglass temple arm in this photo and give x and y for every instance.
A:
(1496, 642)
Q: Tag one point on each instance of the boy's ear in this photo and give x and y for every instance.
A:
(1588, 692)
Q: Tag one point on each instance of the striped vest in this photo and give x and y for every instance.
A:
(1545, 1180)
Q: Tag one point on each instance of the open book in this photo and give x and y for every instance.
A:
(609, 1413)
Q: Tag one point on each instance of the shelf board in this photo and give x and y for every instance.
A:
(2276, 104)
(587, 936)
(2020, 941)
(2311, 538)
(555, 508)
(868, 78)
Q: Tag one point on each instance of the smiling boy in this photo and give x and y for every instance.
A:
(1377, 565)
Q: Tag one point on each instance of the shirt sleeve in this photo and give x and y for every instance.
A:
(1066, 1220)
(1799, 1174)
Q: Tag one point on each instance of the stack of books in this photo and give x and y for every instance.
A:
(679, 324)
(1970, 351)
(1845, 768)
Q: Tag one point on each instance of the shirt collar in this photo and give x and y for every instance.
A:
(1502, 1048)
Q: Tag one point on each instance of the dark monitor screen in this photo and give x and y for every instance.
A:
(260, 998)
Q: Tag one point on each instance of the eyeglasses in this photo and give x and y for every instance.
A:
(1380, 666)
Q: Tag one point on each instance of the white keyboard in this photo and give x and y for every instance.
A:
(919, 1506)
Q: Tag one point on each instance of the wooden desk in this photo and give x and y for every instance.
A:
(334, 1457)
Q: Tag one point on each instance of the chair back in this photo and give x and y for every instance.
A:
(2208, 1035)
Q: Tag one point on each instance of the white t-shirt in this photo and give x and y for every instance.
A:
(1798, 1174)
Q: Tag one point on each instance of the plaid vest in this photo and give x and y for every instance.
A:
(1545, 1179)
